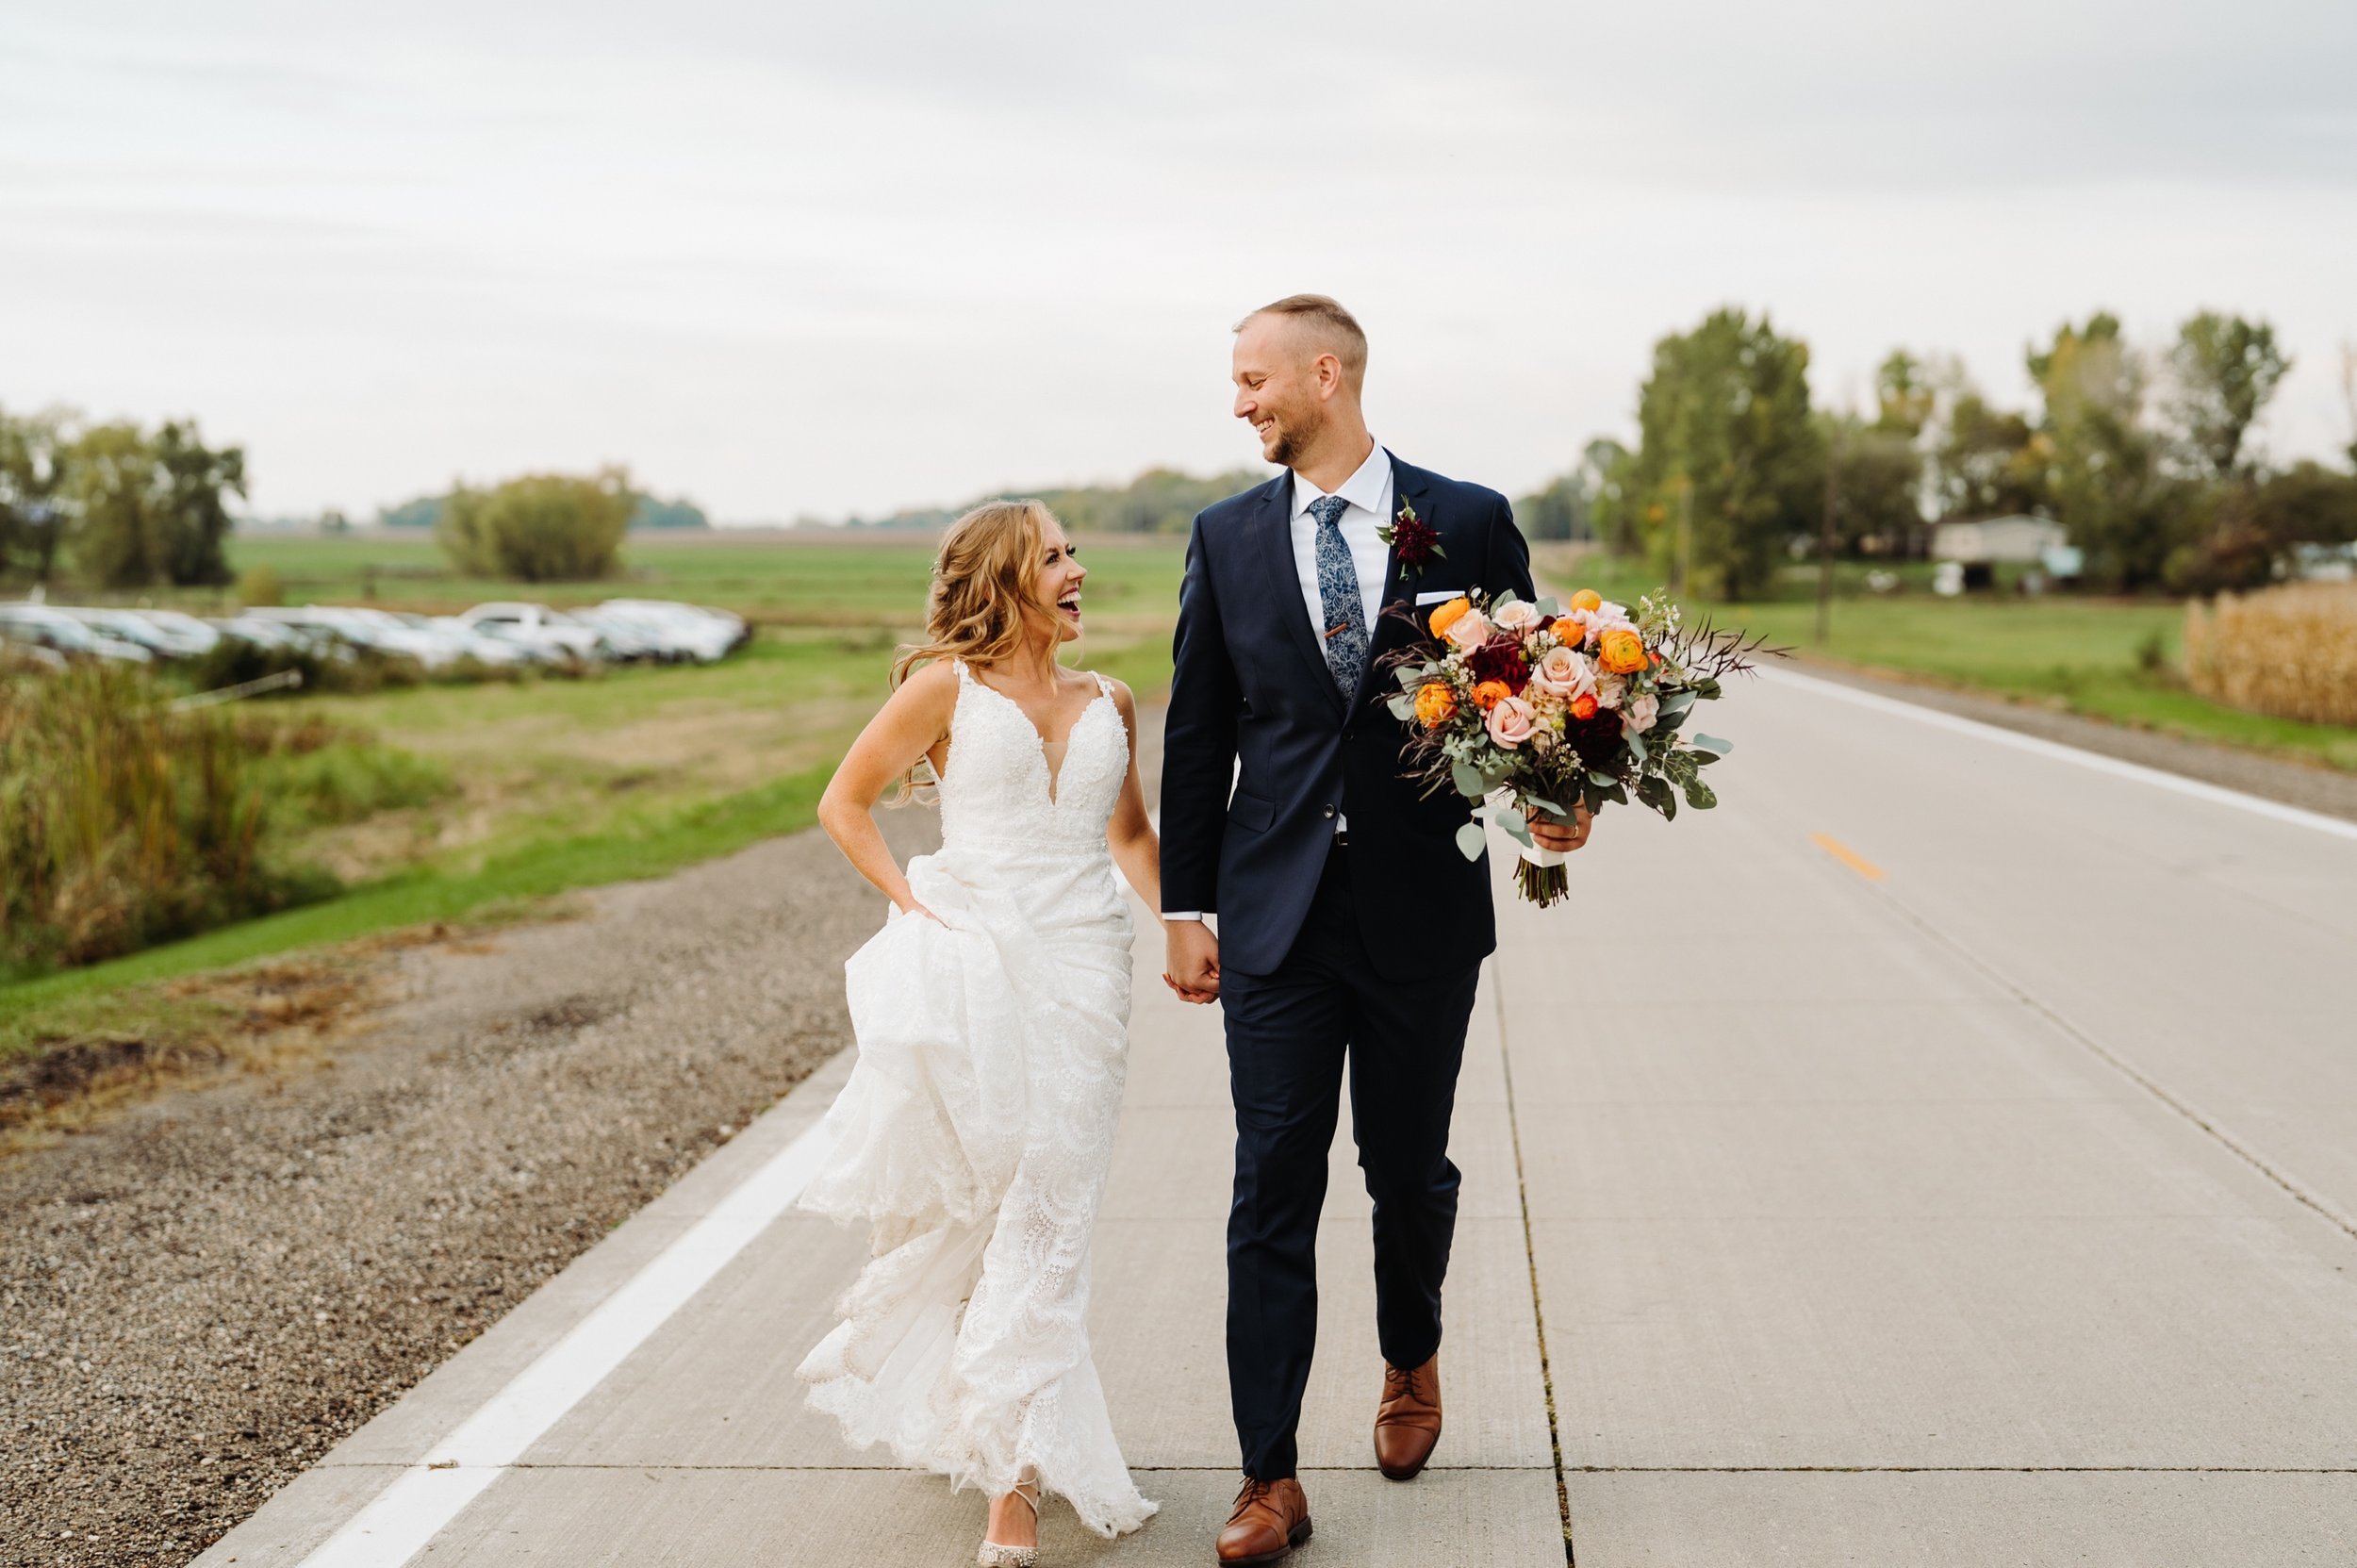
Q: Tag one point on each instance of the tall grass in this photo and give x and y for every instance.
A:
(124, 823)
(2290, 651)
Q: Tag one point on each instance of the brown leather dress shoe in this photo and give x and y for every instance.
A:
(1271, 1519)
(1408, 1423)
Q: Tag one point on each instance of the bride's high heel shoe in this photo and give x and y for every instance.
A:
(993, 1555)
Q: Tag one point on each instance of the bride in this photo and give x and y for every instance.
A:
(992, 1014)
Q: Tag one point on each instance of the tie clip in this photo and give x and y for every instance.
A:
(1337, 631)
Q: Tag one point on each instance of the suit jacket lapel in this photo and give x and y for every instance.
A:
(1276, 528)
(1383, 633)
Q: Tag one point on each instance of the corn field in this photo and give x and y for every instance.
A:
(122, 823)
(2290, 651)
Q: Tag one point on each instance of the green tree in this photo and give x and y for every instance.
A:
(149, 508)
(1610, 470)
(1727, 451)
(542, 528)
(1906, 394)
(1985, 461)
(32, 484)
(2101, 466)
(2224, 369)
(1877, 499)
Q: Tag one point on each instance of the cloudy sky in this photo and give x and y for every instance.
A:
(789, 259)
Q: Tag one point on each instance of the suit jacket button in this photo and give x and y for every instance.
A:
(1329, 812)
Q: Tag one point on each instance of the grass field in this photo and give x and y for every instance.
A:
(564, 783)
(2108, 659)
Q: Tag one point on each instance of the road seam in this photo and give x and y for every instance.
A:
(2118, 1064)
(1531, 1256)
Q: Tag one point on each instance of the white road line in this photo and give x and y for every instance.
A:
(2093, 761)
(404, 1518)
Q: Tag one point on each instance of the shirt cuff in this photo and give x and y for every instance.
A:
(1195, 915)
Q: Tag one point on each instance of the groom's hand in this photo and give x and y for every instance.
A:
(1191, 956)
(1553, 833)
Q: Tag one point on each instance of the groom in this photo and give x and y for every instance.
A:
(1351, 929)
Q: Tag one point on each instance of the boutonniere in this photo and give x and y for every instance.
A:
(1412, 540)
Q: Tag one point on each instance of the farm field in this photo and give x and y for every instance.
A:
(2109, 659)
(558, 783)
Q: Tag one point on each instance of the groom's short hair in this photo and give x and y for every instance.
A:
(1337, 327)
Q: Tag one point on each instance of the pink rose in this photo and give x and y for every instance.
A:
(1638, 715)
(1511, 721)
(1563, 672)
(1609, 690)
(1469, 631)
(1519, 616)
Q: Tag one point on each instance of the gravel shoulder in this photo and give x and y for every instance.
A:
(2311, 788)
(205, 1293)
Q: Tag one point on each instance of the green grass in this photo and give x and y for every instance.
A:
(2109, 659)
(521, 791)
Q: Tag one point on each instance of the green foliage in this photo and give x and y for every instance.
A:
(146, 509)
(648, 512)
(32, 473)
(2103, 470)
(2225, 369)
(1723, 477)
(124, 823)
(424, 512)
(1987, 462)
(1160, 501)
(539, 528)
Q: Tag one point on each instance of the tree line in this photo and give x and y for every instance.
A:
(2145, 459)
(125, 506)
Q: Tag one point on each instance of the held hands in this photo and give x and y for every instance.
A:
(1191, 960)
(1553, 833)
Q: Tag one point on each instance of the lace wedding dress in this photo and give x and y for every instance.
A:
(977, 1126)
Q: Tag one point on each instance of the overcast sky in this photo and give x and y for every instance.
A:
(788, 258)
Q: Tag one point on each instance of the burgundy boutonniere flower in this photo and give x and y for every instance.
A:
(1414, 540)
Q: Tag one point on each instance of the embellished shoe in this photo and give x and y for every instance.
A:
(993, 1555)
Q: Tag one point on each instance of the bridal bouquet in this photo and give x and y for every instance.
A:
(1532, 706)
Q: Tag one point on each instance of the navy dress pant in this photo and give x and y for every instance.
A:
(1400, 1030)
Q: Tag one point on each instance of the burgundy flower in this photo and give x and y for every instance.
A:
(1415, 542)
(1501, 658)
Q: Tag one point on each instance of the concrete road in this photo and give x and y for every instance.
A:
(1944, 1153)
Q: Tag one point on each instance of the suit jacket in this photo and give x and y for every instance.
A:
(1250, 684)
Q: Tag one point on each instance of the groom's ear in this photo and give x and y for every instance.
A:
(1328, 369)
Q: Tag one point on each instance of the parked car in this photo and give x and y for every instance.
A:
(137, 627)
(44, 626)
(698, 632)
(464, 641)
(534, 626)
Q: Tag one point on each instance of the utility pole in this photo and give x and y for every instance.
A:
(1825, 534)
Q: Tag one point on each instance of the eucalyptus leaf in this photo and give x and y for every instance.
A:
(1676, 703)
(1637, 747)
(1700, 794)
(1602, 779)
(1547, 806)
(1468, 779)
(1713, 744)
(1510, 819)
(1617, 794)
(1471, 840)
(1401, 708)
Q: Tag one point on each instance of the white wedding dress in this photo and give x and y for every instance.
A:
(976, 1128)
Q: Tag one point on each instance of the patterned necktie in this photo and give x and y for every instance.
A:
(1338, 595)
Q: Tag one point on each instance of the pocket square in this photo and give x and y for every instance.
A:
(1439, 596)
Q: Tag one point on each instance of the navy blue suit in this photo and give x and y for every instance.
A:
(1363, 956)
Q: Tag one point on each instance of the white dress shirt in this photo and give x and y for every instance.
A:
(1369, 493)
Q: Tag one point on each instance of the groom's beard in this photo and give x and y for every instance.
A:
(1292, 445)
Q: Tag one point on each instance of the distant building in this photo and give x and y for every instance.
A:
(2025, 540)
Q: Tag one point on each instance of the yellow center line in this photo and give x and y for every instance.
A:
(1847, 856)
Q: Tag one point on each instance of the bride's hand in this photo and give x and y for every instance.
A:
(912, 907)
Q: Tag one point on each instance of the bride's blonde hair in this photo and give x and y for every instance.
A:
(984, 595)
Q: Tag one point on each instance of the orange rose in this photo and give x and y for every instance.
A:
(1570, 632)
(1489, 694)
(1584, 706)
(1448, 614)
(1435, 705)
(1587, 599)
(1621, 651)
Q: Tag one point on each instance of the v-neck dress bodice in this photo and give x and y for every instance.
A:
(977, 1127)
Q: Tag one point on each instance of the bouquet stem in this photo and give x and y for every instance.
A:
(1540, 877)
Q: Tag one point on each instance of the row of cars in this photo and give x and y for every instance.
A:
(496, 636)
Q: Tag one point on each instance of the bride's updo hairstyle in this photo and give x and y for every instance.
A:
(983, 594)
